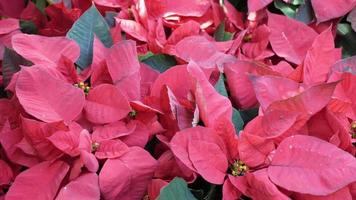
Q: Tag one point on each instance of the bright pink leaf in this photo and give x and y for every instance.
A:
(309, 165)
(46, 97)
(40, 182)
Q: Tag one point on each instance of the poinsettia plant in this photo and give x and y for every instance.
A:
(199, 99)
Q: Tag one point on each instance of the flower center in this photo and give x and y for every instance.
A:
(353, 129)
(95, 146)
(84, 86)
(238, 168)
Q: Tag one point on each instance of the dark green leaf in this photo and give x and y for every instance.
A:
(236, 117)
(248, 115)
(240, 5)
(28, 27)
(220, 86)
(305, 12)
(83, 30)
(177, 189)
(110, 18)
(220, 33)
(11, 64)
(287, 9)
(346, 38)
(160, 62)
(237, 120)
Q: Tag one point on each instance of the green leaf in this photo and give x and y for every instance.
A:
(83, 30)
(145, 56)
(160, 62)
(287, 9)
(297, 2)
(236, 117)
(220, 33)
(346, 38)
(177, 189)
(110, 18)
(248, 115)
(41, 5)
(28, 27)
(237, 120)
(220, 86)
(305, 12)
(11, 64)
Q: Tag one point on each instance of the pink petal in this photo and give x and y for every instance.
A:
(111, 149)
(133, 28)
(329, 9)
(320, 57)
(85, 187)
(46, 97)
(272, 88)
(6, 174)
(201, 51)
(285, 37)
(106, 104)
(158, 8)
(40, 182)
(45, 50)
(112, 131)
(304, 161)
(128, 176)
(124, 68)
(255, 5)
(176, 79)
(254, 150)
(9, 25)
(211, 104)
(343, 194)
